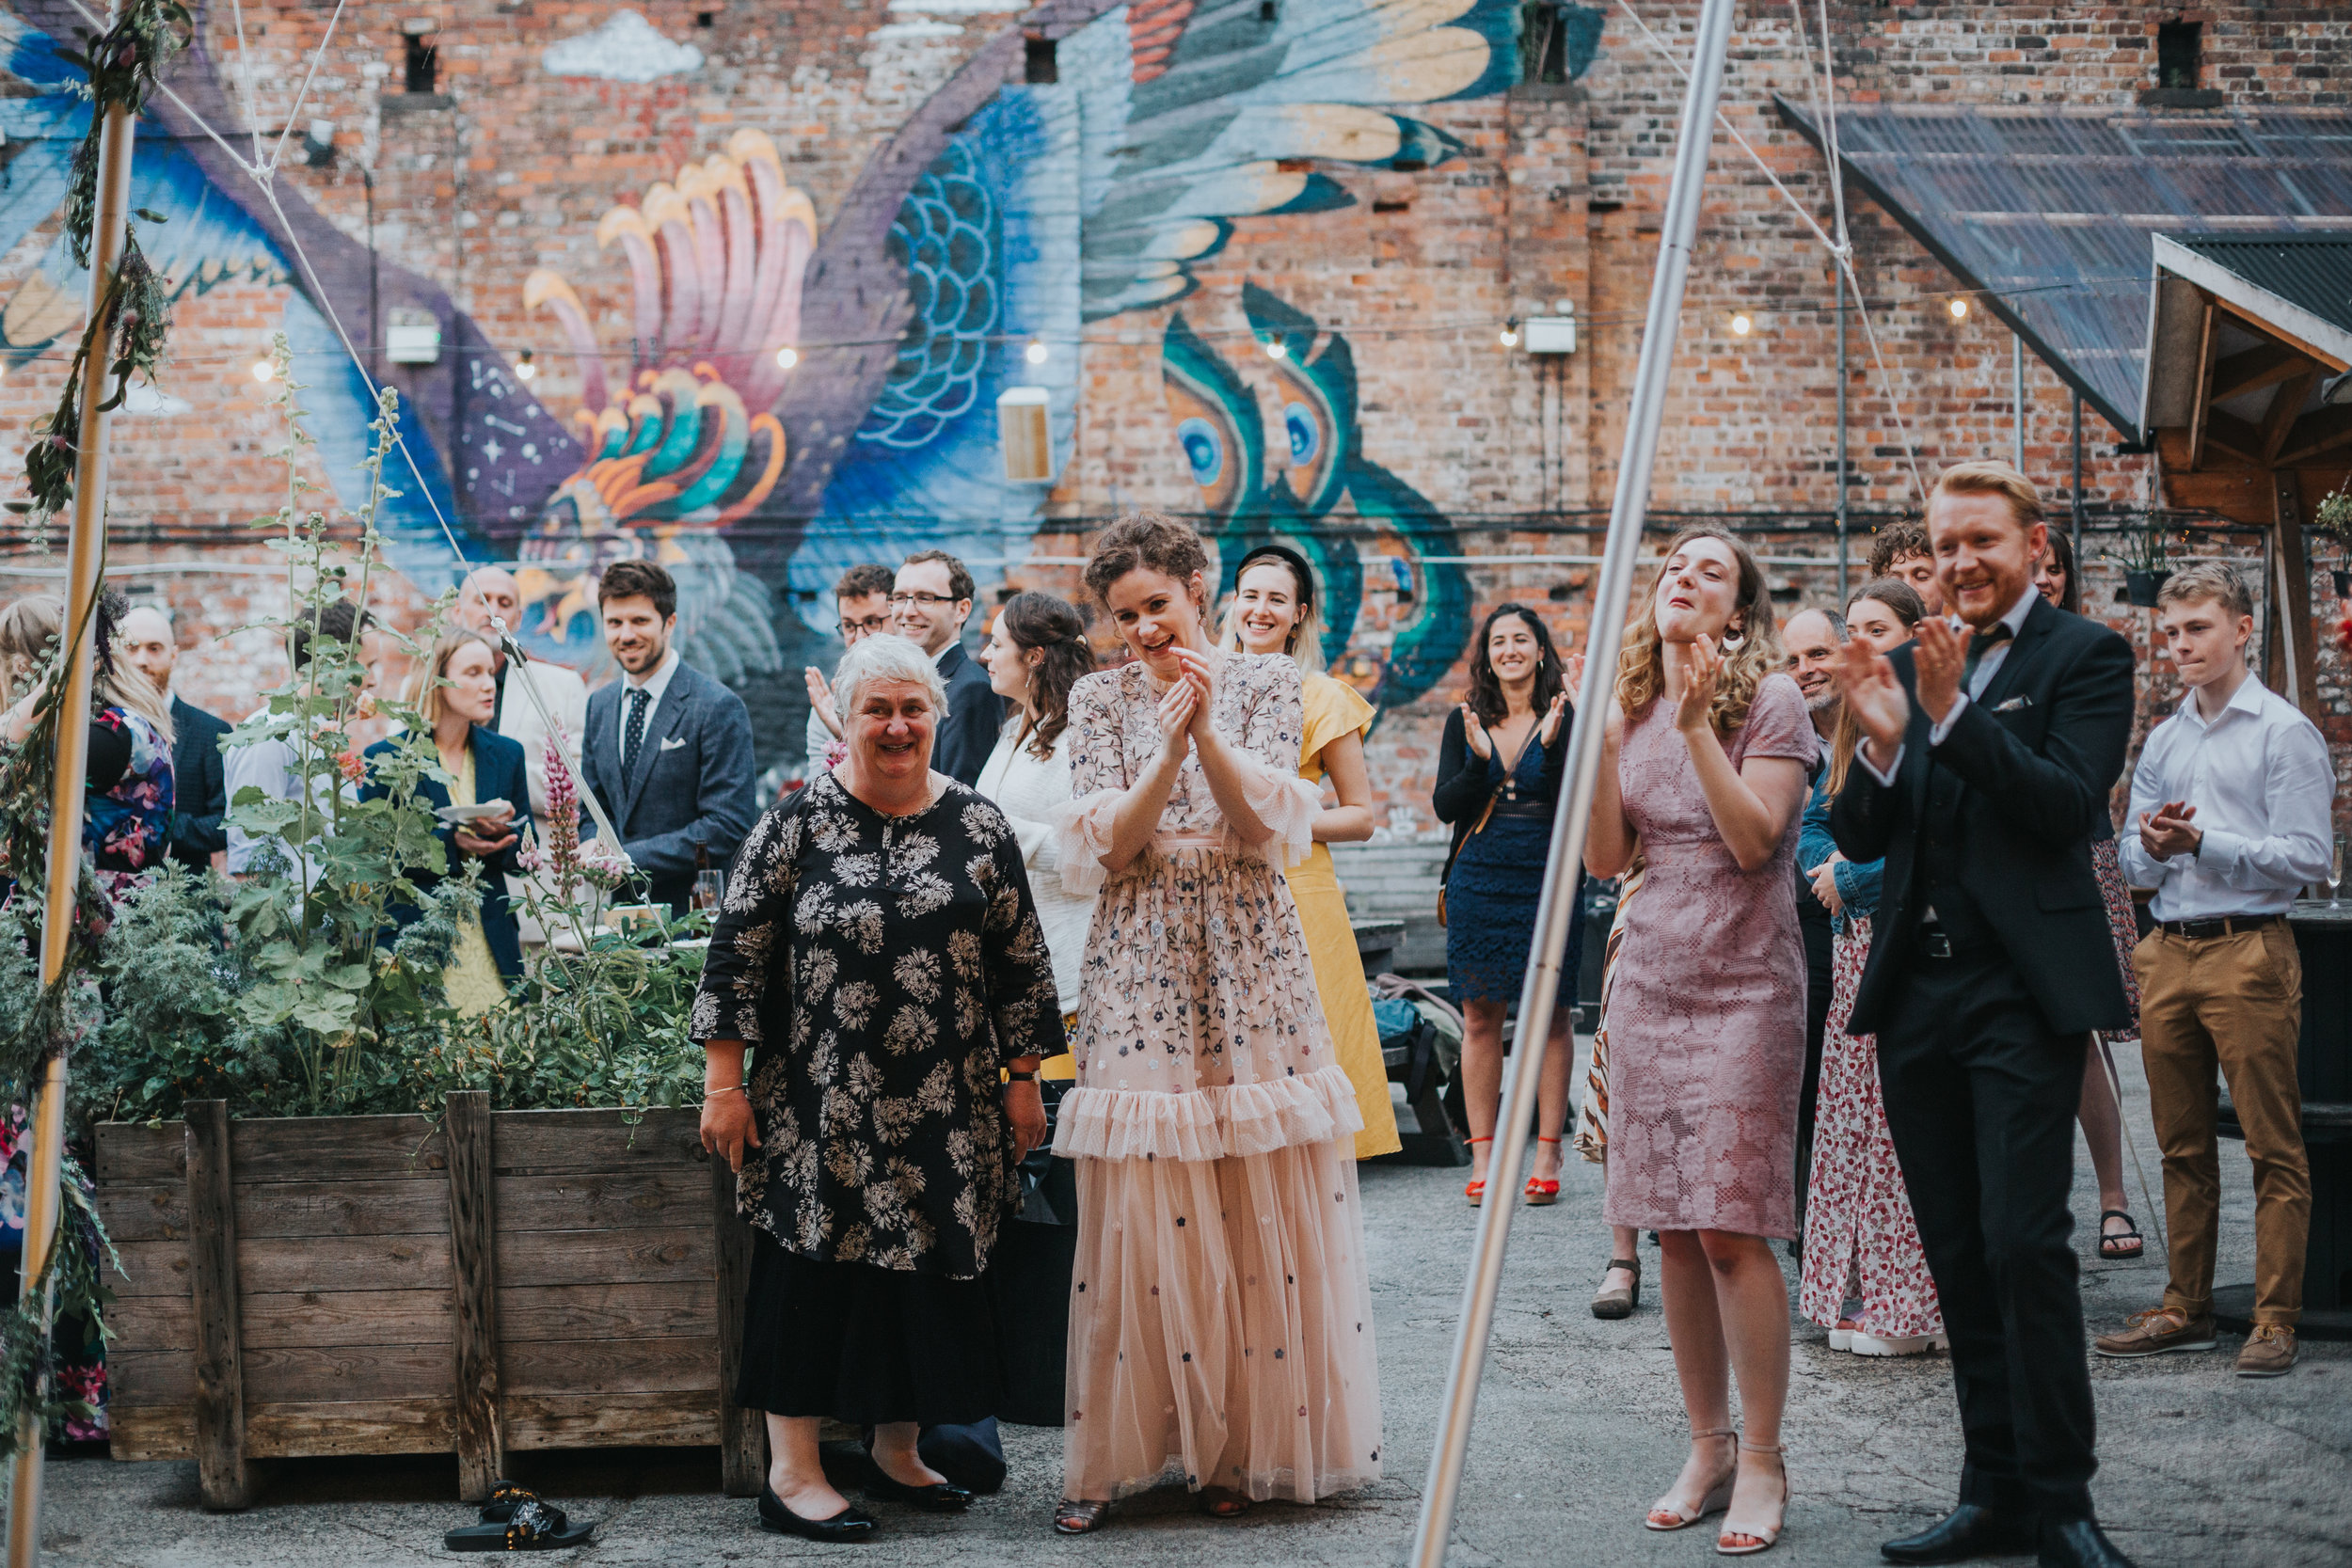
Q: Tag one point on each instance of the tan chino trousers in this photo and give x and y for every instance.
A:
(2234, 1002)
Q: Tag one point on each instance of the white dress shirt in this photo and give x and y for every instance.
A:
(2263, 789)
(653, 686)
(1987, 667)
(270, 765)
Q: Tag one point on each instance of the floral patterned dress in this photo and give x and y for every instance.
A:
(1860, 1237)
(1220, 1322)
(883, 970)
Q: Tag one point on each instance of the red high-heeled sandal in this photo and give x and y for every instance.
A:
(1476, 1191)
(1539, 1194)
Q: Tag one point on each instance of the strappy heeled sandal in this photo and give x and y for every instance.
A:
(1476, 1191)
(1670, 1508)
(1078, 1516)
(1541, 1194)
(1618, 1303)
(1761, 1538)
(529, 1526)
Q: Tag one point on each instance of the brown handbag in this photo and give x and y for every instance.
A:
(1451, 855)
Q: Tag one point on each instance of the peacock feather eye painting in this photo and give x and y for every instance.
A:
(771, 388)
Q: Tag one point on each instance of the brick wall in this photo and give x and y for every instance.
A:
(1557, 197)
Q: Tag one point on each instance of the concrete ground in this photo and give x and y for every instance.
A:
(1580, 1426)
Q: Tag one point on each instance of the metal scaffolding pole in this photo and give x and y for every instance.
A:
(1536, 1002)
(1837, 275)
(2017, 403)
(43, 1201)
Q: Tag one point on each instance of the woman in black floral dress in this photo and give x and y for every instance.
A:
(880, 953)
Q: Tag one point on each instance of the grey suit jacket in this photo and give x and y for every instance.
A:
(690, 787)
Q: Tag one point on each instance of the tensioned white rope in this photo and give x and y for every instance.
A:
(278, 150)
(1841, 253)
(245, 80)
(259, 174)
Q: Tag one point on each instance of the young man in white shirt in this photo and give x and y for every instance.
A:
(2231, 803)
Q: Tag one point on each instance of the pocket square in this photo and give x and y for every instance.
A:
(675, 742)
(2014, 704)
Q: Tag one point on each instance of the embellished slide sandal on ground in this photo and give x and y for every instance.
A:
(1079, 1517)
(528, 1525)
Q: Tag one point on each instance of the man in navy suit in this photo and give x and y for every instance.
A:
(668, 749)
(1987, 751)
(200, 787)
(929, 605)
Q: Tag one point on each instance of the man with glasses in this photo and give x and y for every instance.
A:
(928, 604)
(863, 597)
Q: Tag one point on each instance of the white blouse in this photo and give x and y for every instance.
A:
(1027, 789)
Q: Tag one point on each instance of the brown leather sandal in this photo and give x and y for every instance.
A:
(1078, 1516)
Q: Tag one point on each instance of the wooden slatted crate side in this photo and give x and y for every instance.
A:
(610, 1421)
(271, 1266)
(136, 1434)
(679, 1365)
(603, 1256)
(643, 1198)
(280, 1148)
(528, 1313)
(548, 1143)
(406, 1206)
(293, 1318)
(330, 1430)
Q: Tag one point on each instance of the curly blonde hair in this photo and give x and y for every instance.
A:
(1642, 662)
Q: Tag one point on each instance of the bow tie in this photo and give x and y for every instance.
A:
(1980, 644)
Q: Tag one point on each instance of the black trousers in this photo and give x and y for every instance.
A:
(1980, 1099)
(1819, 947)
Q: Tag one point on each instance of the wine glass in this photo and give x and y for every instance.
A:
(709, 888)
(2335, 875)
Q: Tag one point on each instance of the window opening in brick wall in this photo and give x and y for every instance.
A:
(1544, 43)
(706, 18)
(420, 64)
(2178, 46)
(1038, 64)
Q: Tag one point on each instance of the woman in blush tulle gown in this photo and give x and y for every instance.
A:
(1220, 1320)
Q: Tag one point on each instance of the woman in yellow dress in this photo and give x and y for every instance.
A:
(1274, 612)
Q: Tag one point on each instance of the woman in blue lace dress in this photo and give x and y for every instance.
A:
(1499, 770)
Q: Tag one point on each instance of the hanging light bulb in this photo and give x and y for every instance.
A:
(263, 370)
(1037, 351)
(1510, 337)
(1276, 349)
(1742, 325)
(524, 369)
(1960, 310)
(787, 358)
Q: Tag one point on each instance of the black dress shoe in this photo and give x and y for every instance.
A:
(848, 1525)
(938, 1498)
(2079, 1543)
(1969, 1531)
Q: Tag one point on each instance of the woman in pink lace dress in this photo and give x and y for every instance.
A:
(1708, 753)
(1220, 1318)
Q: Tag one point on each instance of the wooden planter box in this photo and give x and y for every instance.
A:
(345, 1285)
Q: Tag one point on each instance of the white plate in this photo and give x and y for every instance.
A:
(474, 814)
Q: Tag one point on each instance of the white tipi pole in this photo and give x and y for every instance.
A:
(1583, 773)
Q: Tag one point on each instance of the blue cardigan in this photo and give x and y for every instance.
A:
(1857, 885)
(497, 775)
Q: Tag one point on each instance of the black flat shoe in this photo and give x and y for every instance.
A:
(2079, 1544)
(938, 1498)
(847, 1526)
(1968, 1530)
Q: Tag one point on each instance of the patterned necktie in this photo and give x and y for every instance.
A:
(1980, 644)
(633, 732)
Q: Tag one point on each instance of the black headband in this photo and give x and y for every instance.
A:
(1301, 571)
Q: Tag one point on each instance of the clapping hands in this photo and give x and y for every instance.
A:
(1701, 663)
(1875, 698)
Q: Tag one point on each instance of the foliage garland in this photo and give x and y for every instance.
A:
(129, 325)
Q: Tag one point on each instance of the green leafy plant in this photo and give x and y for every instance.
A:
(2334, 516)
(2146, 549)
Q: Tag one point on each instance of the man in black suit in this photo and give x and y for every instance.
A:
(199, 789)
(668, 749)
(1985, 759)
(928, 604)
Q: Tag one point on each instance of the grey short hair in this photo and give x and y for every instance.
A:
(886, 657)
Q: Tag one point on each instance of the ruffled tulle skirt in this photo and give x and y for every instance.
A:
(1220, 1327)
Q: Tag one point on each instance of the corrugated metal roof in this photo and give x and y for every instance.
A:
(2051, 211)
(2313, 271)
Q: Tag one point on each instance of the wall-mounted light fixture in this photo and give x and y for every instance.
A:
(1960, 310)
(1551, 334)
(524, 369)
(1742, 324)
(1509, 337)
(1037, 353)
(787, 358)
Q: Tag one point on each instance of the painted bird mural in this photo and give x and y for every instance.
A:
(980, 238)
(1321, 497)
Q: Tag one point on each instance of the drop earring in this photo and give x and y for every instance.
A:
(1732, 641)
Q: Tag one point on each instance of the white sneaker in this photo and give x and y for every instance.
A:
(1916, 1344)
